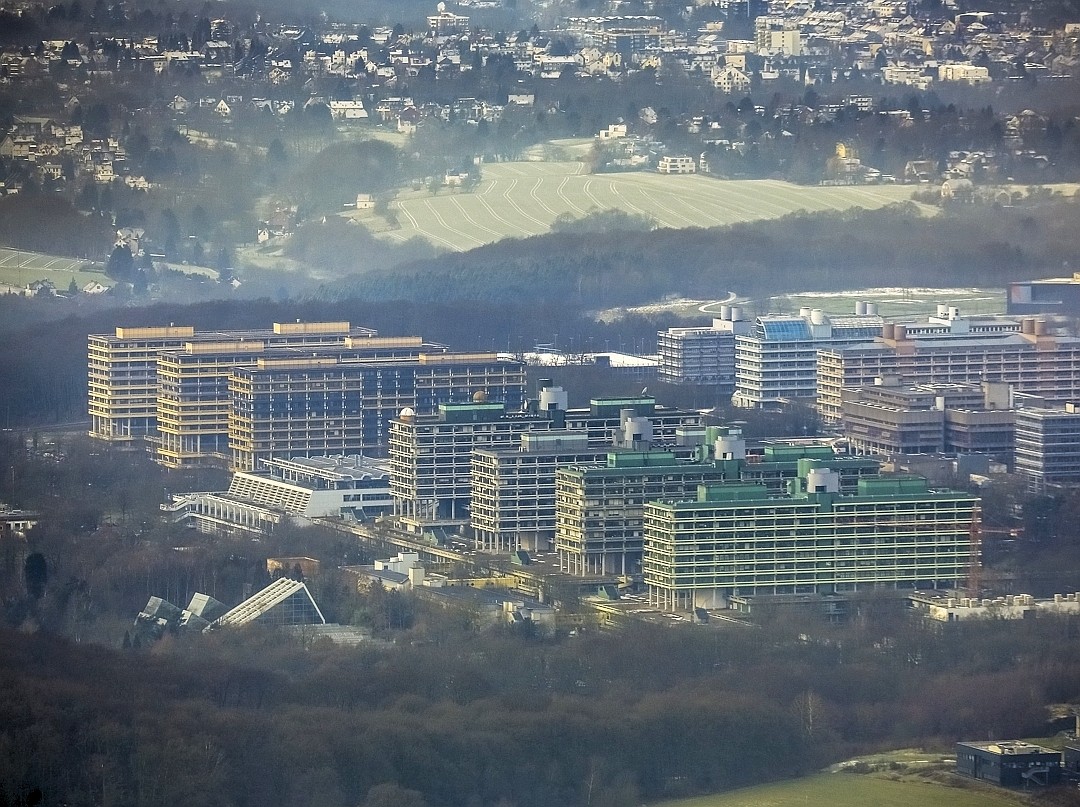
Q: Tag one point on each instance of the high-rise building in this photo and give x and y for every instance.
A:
(599, 506)
(512, 491)
(122, 367)
(1048, 446)
(513, 502)
(287, 406)
(891, 418)
(741, 539)
(431, 454)
(1032, 362)
(193, 401)
(776, 361)
(702, 355)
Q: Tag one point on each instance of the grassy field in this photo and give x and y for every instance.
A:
(892, 302)
(19, 268)
(520, 199)
(855, 790)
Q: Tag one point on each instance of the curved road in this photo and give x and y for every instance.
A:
(706, 308)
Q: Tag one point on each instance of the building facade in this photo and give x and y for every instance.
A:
(1032, 362)
(122, 381)
(288, 407)
(889, 418)
(194, 403)
(600, 507)
(512, 491)
(1010, 764)
(1048, 446)
(776, 361)
(738, 539)
(704, 355)
(353, 488)
(431, 454)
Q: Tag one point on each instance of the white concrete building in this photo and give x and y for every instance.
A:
(354, 488)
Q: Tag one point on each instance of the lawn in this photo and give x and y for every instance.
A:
(18, 268)
(855, 790)
(520, 199)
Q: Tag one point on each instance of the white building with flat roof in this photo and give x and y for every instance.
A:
(354, 488)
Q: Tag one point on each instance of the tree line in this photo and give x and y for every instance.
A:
(986, 245)
(497, 719)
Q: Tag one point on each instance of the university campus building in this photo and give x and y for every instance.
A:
(702, 355)
(293, 406)
(122, 367)
(739, 539)
(1048, 446)
(431, 454)
(600, 506)
(299, 389)
(194, 401)
(354, 488)
(776, 361)
(890, 418)
(1031, 361)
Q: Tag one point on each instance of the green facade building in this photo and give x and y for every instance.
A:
(742, 539)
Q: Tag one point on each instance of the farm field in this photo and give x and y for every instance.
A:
(521, 199)
(855, 790)
(18, 268)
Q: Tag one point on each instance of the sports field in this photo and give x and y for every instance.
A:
(18, 268)
(854, 790)
(520, 199)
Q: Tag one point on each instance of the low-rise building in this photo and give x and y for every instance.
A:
(16, 522)
(289, 490)
(890, 418)
(953, 606)
(1009, 763)
(676, 164)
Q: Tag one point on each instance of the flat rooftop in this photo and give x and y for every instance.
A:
(1011, 747)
